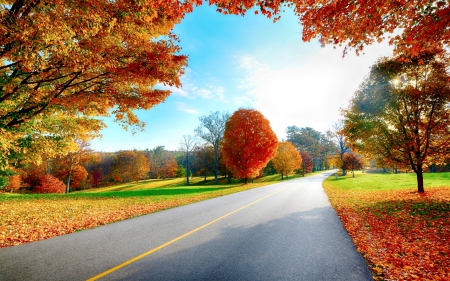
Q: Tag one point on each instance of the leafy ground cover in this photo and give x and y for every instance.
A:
(402, 234)
(26, 218)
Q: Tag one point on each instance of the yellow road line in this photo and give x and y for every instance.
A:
(117, 267)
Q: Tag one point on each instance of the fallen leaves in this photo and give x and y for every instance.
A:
(28, 219)
(403, 235)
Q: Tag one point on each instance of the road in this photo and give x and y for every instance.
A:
(285, 231)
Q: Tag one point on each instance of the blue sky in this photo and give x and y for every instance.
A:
(248, 62)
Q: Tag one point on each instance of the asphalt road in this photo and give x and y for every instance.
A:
(285, 231)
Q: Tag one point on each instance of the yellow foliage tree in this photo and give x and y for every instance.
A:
(287, 159)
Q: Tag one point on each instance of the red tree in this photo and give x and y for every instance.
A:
(307, 163)
(352, 162)
(248, 143)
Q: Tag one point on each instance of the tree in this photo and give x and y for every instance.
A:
(339, 138)
(70, 162)
(163, 163)
(78, 59)
(287, 159)
(316, 144)
(352, 162)
(211, 130)
(401, 113)
(307, 163)
(421, 24)
(187, 146)
(248, 143)
(204, 159)
(130, 166)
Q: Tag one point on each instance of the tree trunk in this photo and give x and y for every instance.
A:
(216, 164)
(187, 169)
(229, 178)
(245, 180)
(344, 172)
(419, 173)
(68, 177)
(353, 173)
(282, 175)
(68, 184)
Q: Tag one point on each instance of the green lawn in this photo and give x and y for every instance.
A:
(368, 181)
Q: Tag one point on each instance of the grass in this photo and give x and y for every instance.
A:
(30, 217)
(365, 181)
(402, 234)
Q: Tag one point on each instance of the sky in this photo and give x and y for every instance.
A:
(248, 62)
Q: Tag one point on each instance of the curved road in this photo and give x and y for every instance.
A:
(285, 231)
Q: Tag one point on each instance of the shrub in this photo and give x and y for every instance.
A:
(14, 183)
(50, 184)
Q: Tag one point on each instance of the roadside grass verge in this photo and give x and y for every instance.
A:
(26, 218)
(402, 234)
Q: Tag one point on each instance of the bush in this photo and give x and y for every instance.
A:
(14, 183)
(50, 184)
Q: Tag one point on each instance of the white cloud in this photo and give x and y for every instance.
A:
(202, 93)
(242, 100)
(175, 91)
(181, 106)
(308, 95)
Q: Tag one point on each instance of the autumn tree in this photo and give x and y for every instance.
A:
(130, 166)
(67, 164)
(211, 130)
(15, 182)
(248, 143)
(204, 159)
(307, 163)
(163, 163)
(287, 159)
(62, 63)
(187, 147)
(352, 162)
(418, 25)
(401, 111)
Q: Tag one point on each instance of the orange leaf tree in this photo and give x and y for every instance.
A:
(50, 184)
(420, 24)
(248, 143)
(82, 59)
(130, 166)
(287, 159)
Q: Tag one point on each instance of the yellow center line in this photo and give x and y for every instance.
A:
(117, 267)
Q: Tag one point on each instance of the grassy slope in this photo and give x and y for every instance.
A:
(402, 234)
